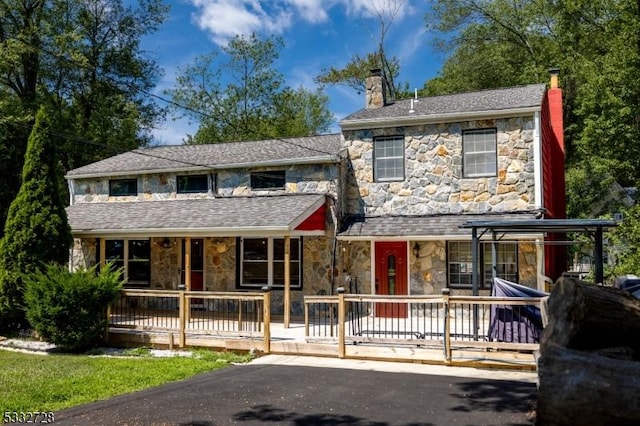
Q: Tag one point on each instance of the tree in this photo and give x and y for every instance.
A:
(235, 94)
(36, 231)
(82, 59)
(596, 46)
(358, 68)
(97, 77)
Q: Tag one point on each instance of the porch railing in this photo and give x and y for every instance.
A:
(436, 321)
(232, 314)
(442, 322)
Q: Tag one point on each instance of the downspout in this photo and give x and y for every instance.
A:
(71, 187)
(335, 247)
(537, 160)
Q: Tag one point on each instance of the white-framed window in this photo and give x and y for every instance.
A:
(459, 263)
(132, 255)
(261, 262)
(479, 153)
(388, 158)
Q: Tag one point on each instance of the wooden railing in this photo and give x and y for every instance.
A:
(444, 321)
(441, 324)
(232, 314)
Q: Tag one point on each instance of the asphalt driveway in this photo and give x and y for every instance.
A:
(305, 395)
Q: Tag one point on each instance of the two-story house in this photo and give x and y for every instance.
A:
(379, 205)
(420, 168)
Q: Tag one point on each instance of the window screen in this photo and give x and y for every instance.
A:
(388, 158)
(479, 153)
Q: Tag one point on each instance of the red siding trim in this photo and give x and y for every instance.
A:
(553, 183)
(315, 222)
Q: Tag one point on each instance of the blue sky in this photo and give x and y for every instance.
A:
(317, 34)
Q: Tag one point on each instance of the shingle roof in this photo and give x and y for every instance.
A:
(322, 148)
(421, 226)
(214, 216)
(437, 107)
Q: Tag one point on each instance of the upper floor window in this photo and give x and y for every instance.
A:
(459, 263)
(189, 184)
(271, 179)
(123, 187)
(479, 153)
(388, 154)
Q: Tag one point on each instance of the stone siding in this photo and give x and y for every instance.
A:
(434, 183)
(314, 178)
(427, 272)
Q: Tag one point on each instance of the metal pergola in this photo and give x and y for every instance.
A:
(499, 228)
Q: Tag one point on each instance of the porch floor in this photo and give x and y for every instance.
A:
(292, 341)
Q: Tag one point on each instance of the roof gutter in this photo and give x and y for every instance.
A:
(186, 168)
(413, 120)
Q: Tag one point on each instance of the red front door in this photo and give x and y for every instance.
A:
(197, 265)
(391, 277)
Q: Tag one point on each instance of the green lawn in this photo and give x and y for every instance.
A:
(30, 382)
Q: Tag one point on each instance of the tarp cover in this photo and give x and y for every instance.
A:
(516, 324)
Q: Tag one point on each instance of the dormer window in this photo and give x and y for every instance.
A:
(123, 187)
(189, 184)
(388, 158)
(479, 153)
(268, 179)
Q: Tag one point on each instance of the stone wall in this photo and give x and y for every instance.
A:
(313, 178)
(356, 262)
(427, 271)
(434, 182)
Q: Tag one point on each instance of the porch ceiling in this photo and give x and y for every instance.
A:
(230, 216)
(435, 227)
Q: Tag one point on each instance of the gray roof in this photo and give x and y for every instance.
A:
(232, 216)
(452, 107)
(312, 149)
(421, 227)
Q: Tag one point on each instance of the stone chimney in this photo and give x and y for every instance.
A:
(375, 96)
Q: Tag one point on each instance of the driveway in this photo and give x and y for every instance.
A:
(300, 393)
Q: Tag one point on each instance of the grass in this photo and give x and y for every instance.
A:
(32, 382)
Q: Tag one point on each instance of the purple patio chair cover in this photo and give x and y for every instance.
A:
(515, 324)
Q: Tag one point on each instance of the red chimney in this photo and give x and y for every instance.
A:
(553, 183)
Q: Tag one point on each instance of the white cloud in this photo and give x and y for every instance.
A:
(224, 19)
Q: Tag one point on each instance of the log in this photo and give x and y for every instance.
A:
(588, 317)
(588, 369)
(582, 388)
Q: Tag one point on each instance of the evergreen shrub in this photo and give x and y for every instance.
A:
(69, 308)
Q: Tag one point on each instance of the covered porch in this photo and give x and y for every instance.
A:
(226, 244)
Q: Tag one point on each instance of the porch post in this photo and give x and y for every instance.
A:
(266, 315)
(446, 293)
(599, 263)
(341, 326)
(287, 280)
(103, 256)
(475, 261)
(475, 276)
(187, 276)
(187, 263)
